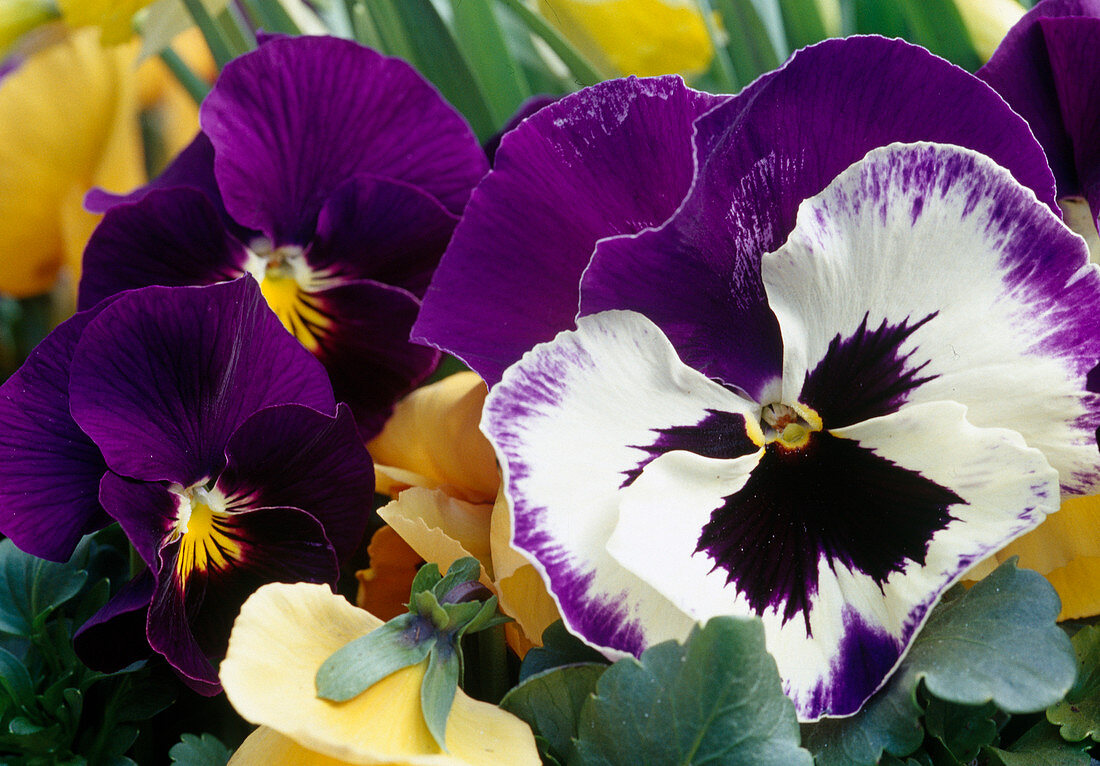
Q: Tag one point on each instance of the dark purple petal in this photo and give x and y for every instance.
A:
(193, 168)
(164, 375)
(783, 140)
(146, 511)
(612, 159)
(294, 119)
(296, 457)
(360, 331)
(171, 237)
(1046, 70)
(383, 230)
(115, 635)
(49, 468)
(197, 599)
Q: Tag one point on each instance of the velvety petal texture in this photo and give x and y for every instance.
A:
(279, 641)
(211, 436)
(333, 176)
(1046, 68)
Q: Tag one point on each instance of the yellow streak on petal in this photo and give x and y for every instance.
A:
(284, 633)
(204, 542)
(296, 309)
(433, 440)
(642, 37)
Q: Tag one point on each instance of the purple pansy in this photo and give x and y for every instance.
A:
(832, 349)
(331, 174)
(193, 419)
(1047, 69)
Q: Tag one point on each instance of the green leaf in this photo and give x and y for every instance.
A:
(427, 577)
(962, 729)
(481, 40)
(204, 750)
(874, 17)
(1078, 714)
(359, 664)
(716, 699)
(465, 569)
(1040, 746)
(437, 691)
(998, 642)
(748, 45)
(435, 54)
(34, 587)
(584, 71)
(15, 680)
(937, 25)
(559, 647)
(550, 702)
(803, 22)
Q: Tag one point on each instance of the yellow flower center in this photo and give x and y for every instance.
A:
(207, 539)
(789, 425)
(286, 283)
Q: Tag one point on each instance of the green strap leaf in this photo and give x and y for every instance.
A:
(584, 71)
(748, 46)
(717, 699)
(437, 691)
(361, 663)
(482, 42)
(937, 25)
(803, 23)
(551, 701)
(998, 642)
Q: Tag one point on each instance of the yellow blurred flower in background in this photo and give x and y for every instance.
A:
(113, 17)
(642, 37)
(988, 21)
(448, 504)
(280, 639)
(70, 119)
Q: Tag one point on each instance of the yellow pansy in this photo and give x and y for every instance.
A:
(282, 636)
(113, 17)
(448, 503)
(68, 121)
(642, 37)
(1065, 548)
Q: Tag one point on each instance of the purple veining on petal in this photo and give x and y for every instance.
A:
(863, 661)
(864, 375)
(718, 435)
(827, 500)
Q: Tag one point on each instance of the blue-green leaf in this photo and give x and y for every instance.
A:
(204, 750)
(551, 701)
(31, 588)
(1078, 714)
(437, 691)
(359, 664)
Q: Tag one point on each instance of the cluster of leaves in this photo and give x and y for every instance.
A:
(985, 683)
(54, 710)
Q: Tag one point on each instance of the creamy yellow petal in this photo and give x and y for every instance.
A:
(642, 37)
(267, 747)
(284, 633)
(1078, 583)
(439, 527)
(988, 21)
(434, 433)
(524, 598)
(68, 120)
(506, 559)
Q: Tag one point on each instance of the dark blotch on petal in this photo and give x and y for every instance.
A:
(865, 375)
(832, 499)
(719, 435)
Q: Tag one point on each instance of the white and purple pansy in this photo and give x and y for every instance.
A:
(331, 174)
(851, 362)
(193, 419)
(1047, 69)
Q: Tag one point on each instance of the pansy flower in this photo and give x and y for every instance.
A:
(331, 174)
(840, 370)
(193, 419)
(1047, 68)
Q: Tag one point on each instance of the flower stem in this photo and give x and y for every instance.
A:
(195, 86)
